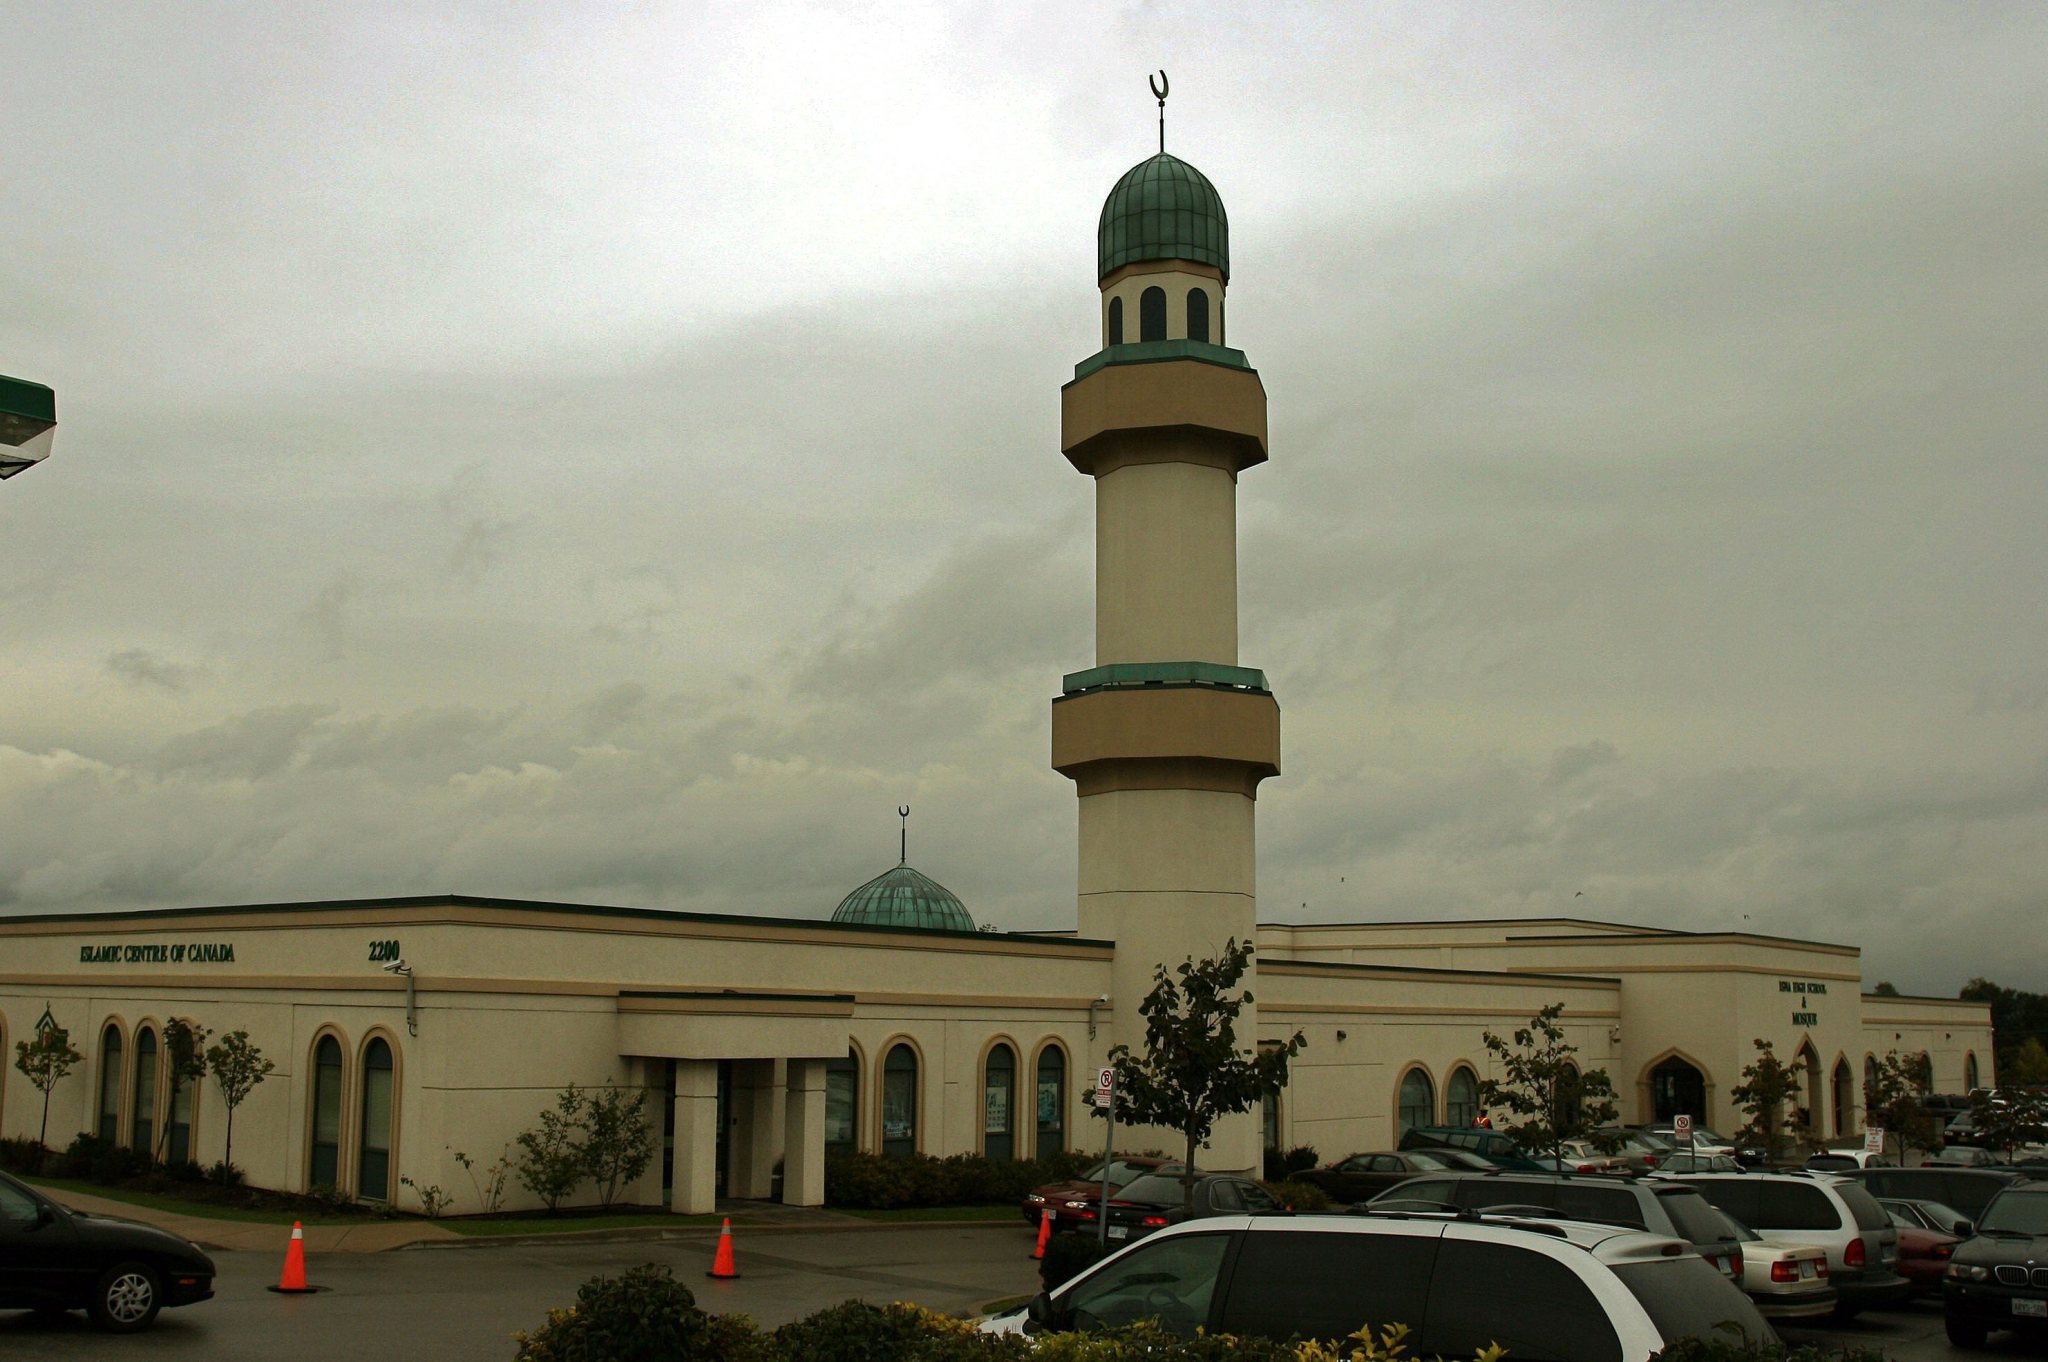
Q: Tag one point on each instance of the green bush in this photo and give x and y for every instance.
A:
(870, 1182)
(1282, 1164)
(1299, 1196)
(642, 1315)
(23, 1156)
(1067, 1256)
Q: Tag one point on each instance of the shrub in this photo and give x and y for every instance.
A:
(1299, 1196)
(618, 1142)
(642, 1315)
(1067, 1256)
(330, 1198)
(871, 1182)
(1282, 1164)
(24, 1156)
(225, 1174)
(551, 1162)
(185, 1170)
(859, 1332)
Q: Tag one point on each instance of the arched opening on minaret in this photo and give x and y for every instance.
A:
(1152, 314)
(1116, 322)
(1198, 314)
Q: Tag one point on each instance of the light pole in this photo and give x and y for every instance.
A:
(28, 424)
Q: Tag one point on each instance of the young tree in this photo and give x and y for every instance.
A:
(1891, 1101)
(1547, 1099)
(184, 1064)
(551, 1162)
(1192, 1071)
(237, 1068)
(1769, 1095)
(2006, 1118)
(618, 1143)
(2028, 1066)
(45, 1060)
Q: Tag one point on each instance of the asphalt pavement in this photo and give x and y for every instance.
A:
(454, 1304)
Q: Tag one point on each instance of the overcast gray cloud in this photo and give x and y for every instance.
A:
(613, 456)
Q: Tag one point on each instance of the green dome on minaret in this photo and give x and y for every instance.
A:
(903, 897)
(1162, 209)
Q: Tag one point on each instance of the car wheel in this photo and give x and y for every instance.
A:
(1965, 1333)
(127, 1298)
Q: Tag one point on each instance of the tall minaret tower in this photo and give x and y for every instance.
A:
(1166, 737)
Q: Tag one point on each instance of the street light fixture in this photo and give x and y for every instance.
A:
(28, 424)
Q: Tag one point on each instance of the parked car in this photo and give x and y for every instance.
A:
(1646, 1204)
(1841, 1160)
(1925, 1215)
(1068, 1200)
(1542, 1290)
(1362, 1176)
(1707, 1141)
(1157, 1200)
(1583, 1156)
(1682, 1162)
(1998, 1278)
(53, 1259)
(1783, 1281)
(1924, 1256)
(1494, 1146)
(1642, 1150)
(1825, 1209)
(1965, 1156)
(1969, 1190)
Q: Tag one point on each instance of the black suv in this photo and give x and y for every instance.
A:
(1659, 1207)
(1969, 1190)
(1998, 1278)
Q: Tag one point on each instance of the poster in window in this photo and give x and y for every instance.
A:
(996, 1109)
(1048, 1101)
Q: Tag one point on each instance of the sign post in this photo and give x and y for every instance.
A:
(1682, 1125)
(1105, 1098)
(1873, 1140)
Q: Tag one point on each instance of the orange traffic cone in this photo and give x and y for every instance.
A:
(721, 1266)
(293, 1282)
(1044, 1232)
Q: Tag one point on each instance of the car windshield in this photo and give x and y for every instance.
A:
(1650, 1140)
(1154, 1190)
(1691, 1214)
(1739, 1232)
(1119, 1172)
(1869, 1215)
(1435, 1158)
(1687, 1299)
(2016, 1213)
(1942, 1215)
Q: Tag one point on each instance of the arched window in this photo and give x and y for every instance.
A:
(1461, 1098)
(178, 1119)
(324, 1168)
(142, 1116)
(1116, 321)
(1970, 1072)
(1677, 1088)
(110, 1083)
(1808, 1114)
(1219, 323)
(842, 1103)
(1845, 1098)
(373, 1156)
(1051, 1102)
(1418, 1102)
(1198, 314)
(999, 1103)
(899, 1102)
(1152, 314)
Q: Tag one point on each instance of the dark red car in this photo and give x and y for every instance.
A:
(1078, 1201)
(1923, 1257)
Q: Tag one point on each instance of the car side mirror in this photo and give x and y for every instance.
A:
(1964, 1229)
(1041, 1313)
(44, 1216)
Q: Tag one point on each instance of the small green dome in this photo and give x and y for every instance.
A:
(902, 897)
(1162, 209)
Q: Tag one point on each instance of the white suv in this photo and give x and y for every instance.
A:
(1547, 1291)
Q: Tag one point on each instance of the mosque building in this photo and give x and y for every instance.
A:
(406, 1031)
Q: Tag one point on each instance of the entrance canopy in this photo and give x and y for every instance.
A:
(733, 1025)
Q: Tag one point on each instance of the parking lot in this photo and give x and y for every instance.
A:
(456, 1304)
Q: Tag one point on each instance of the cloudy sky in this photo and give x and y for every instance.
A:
(610, 453)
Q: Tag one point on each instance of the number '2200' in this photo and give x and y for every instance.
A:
(383, 950)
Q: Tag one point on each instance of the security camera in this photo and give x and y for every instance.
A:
(398, 967)
(1102, 1000)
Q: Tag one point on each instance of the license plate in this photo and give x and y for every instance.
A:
(1806, 1271)
(1119, 1231)
(2031, 1309)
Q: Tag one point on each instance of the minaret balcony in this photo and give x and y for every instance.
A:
(1176, 725)
(1202, 395)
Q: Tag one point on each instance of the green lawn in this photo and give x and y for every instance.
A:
(158, 1201)
(1006, 1211)
(577, 1224)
